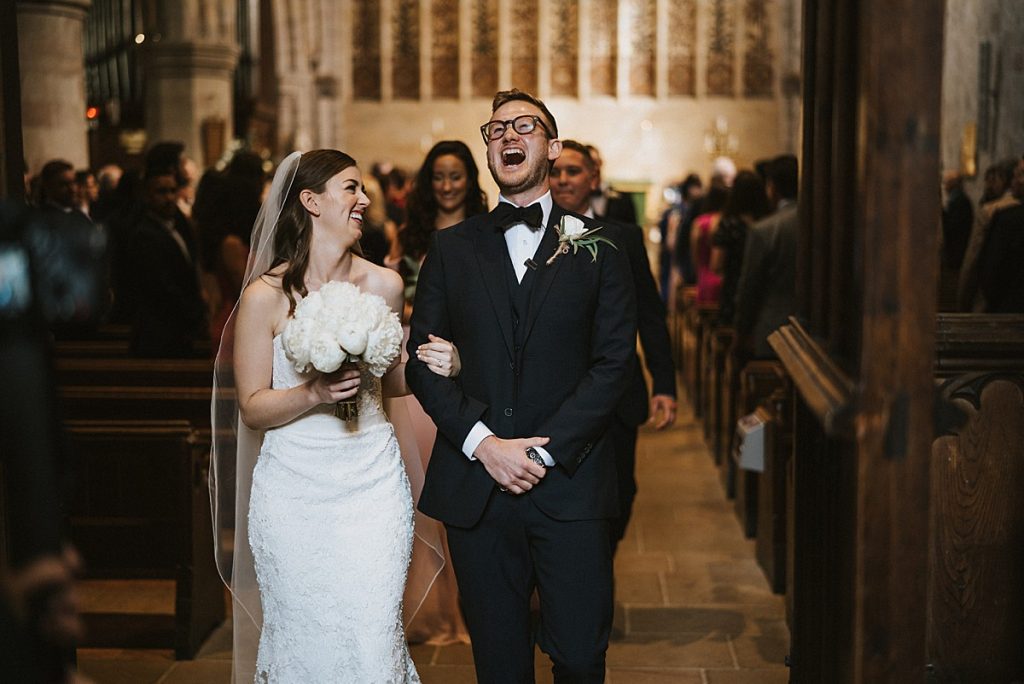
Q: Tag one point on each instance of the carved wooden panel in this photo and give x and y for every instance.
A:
(405, 49)
(565, 27)
(643, 46)
(366, 50)
(484, 63)
(444, 22)
(603, 46)
(976, 598)
(758, 67)
(682, 42)
(721, 47)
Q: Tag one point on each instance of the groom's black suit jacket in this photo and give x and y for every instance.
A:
(558, 372)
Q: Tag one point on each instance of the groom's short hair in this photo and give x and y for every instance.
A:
(503, 97)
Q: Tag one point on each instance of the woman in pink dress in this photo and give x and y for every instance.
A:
(709, 283)
(446, 192)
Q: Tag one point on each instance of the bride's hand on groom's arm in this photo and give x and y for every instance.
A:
(507, 463)
(440, 356)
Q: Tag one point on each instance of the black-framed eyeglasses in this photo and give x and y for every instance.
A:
(522, 124)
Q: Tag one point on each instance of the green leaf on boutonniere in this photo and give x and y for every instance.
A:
(573, 233)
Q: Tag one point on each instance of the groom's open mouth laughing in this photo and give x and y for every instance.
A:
(512, 157)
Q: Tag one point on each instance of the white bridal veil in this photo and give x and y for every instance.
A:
(233, 456)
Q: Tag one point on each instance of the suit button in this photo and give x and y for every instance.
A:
(508, 412)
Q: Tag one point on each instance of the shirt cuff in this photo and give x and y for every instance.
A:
(479, 433)
(548, 461)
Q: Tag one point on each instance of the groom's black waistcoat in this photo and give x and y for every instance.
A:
(549, 357)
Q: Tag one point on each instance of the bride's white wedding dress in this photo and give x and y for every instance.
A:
(331, 529)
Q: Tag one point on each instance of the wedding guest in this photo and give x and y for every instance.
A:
(766, 292)
(224, 211)
(572, 179)
(605, 201)
(87, 191)
(670, 272)
(170, 314)
(1001, 268)
(709, 283)
(998, 195)
(446, 191)
(746, 204)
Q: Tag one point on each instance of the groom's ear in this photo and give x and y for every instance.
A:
(554, 149)
(309, 202)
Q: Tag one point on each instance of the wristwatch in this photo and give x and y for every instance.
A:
(535, 456)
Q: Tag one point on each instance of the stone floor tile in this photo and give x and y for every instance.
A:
(638, 588)
(775, 676)
(762, 651)
(632, 561)
(653, 675)
(447, 674)
(678, 650)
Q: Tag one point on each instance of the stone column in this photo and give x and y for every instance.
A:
(52, 66)
(190, 63)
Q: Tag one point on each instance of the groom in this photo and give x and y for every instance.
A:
(522, 473)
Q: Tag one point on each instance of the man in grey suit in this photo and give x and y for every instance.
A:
(766, 293)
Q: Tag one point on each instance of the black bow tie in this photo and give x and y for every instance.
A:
(507, 215)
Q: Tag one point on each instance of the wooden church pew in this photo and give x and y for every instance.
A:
(139, 509)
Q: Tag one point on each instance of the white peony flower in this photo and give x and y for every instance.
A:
(325, 353)
(296, 340)
(353, 338)
(572, 226)
(309, 306)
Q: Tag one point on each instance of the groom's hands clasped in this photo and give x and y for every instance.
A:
(507, 463)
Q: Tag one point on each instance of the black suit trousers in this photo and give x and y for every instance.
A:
(514, 549)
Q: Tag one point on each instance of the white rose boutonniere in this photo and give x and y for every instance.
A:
(573, 234)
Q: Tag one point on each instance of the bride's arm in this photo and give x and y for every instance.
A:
(262, 407)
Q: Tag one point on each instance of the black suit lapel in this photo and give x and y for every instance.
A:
(545, 273)
(490, 251)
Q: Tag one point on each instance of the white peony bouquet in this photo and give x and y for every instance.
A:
(340, 323)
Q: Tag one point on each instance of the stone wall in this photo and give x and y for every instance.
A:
(610, 70)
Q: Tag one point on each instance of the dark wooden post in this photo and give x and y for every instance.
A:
(862, 362)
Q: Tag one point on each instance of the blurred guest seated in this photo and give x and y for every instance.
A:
(170, 314)
(1001, 266)
(957, 219)
(997, 196)
(766, 292)
(747, 203)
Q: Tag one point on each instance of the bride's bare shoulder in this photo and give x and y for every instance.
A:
(379, 280)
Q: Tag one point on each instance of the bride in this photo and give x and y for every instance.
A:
(322, 537)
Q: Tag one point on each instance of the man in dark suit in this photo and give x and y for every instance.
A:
(605, 201)
(766, 292)
(573, 177)
(170, 314)
(522, 472)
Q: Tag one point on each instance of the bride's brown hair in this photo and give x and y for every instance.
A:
(294, 226)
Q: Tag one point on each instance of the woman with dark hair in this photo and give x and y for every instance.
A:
(324, 533)
(709, 283)
(747, 203)
(446, 191)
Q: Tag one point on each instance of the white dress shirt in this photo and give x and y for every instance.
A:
(522, 243)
